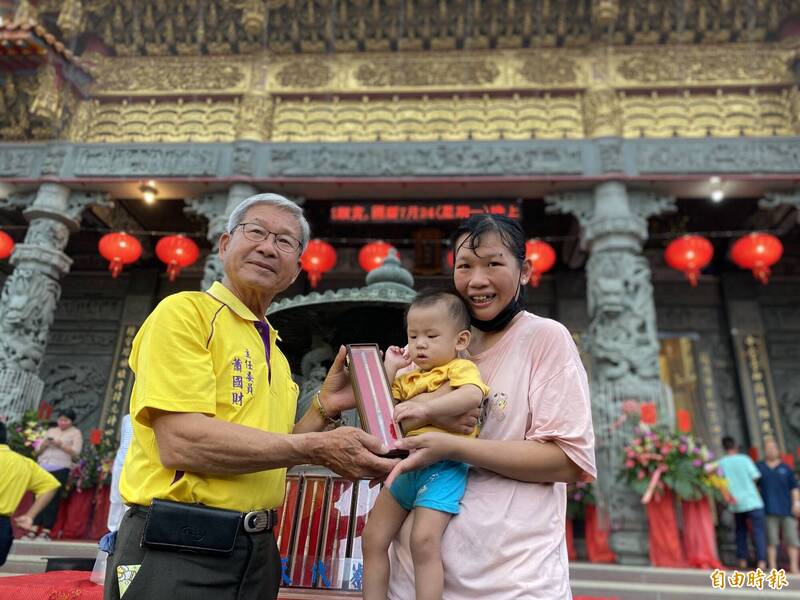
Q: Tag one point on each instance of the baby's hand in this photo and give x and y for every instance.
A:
(411, 410)
(396, 358)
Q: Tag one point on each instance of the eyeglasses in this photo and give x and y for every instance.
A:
(255, 233)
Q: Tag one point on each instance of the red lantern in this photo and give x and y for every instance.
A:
(542, 258)
(119, 249)
(318, 258)
(647, 413)
(451, 260)
(757, 252)
(6, 245)
(689, 254)
(178, 252)
(373, 254)
(684, 420)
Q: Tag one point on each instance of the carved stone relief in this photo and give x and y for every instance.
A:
(623, 339)
(304, 73)
(168, 74)
(53, 160)
(726, 156)
(782, 323)
(47, 233)
(549, 69)
(145, 162)
(425, 72)
(89, 309)
(438, 159)
(27, 305)
(17, 162)
(687, 64)
(601, 112)
(77, 382)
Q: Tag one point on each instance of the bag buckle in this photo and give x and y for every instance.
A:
(256, 521)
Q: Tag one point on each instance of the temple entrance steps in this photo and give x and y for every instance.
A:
(588, 579)
(31, 557)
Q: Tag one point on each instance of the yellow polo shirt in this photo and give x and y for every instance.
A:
(201, 352)
(19, 475)
(457, 372)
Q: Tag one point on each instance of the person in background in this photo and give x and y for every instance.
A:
(117, 508)
(781, 503)
(20, 475)
(62, 445)
(747, 506)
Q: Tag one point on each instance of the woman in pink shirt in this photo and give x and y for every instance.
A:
(62, 445)
(508, 541)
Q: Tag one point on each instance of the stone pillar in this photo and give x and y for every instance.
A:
(776, 199)
(621, 341)
(216, 208)
(30, 295)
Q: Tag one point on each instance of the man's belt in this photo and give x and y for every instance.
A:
(257, 521)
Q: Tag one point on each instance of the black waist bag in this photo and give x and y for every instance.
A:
(190, 528)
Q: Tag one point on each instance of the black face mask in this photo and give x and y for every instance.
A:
(502, 318)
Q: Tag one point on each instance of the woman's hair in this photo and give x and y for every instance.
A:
(69, 413)
(3, 436)
(509, 231)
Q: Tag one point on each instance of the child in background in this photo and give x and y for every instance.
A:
(438, 327)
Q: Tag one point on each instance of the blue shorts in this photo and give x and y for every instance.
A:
(438, 487)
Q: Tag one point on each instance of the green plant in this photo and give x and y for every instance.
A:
(684, 462)
(579, 496)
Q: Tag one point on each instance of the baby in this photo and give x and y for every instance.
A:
(438, 329)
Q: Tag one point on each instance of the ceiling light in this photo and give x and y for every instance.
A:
(149, 192)
(717, 196)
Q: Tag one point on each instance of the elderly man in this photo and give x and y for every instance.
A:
(213, 410)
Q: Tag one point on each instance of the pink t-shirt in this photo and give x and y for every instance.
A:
(508, 540)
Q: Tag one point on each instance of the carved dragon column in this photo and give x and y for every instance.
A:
(622, 340)
(216, 208)
(776, 199)
(30, 294)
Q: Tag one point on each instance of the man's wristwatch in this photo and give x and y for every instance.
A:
(317, 403)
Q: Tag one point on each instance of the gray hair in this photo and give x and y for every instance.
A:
(277, 201)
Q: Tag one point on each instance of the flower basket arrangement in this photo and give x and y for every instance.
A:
(26, 435)
(657, 458)
(662, 465)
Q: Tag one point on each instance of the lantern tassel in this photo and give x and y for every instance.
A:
(762, 274)
(536, 277)
(172, 271)
(115, 266)
(693, 275)
(314, 277)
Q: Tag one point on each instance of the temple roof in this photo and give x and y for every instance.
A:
(25, 45)
(185, 27)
